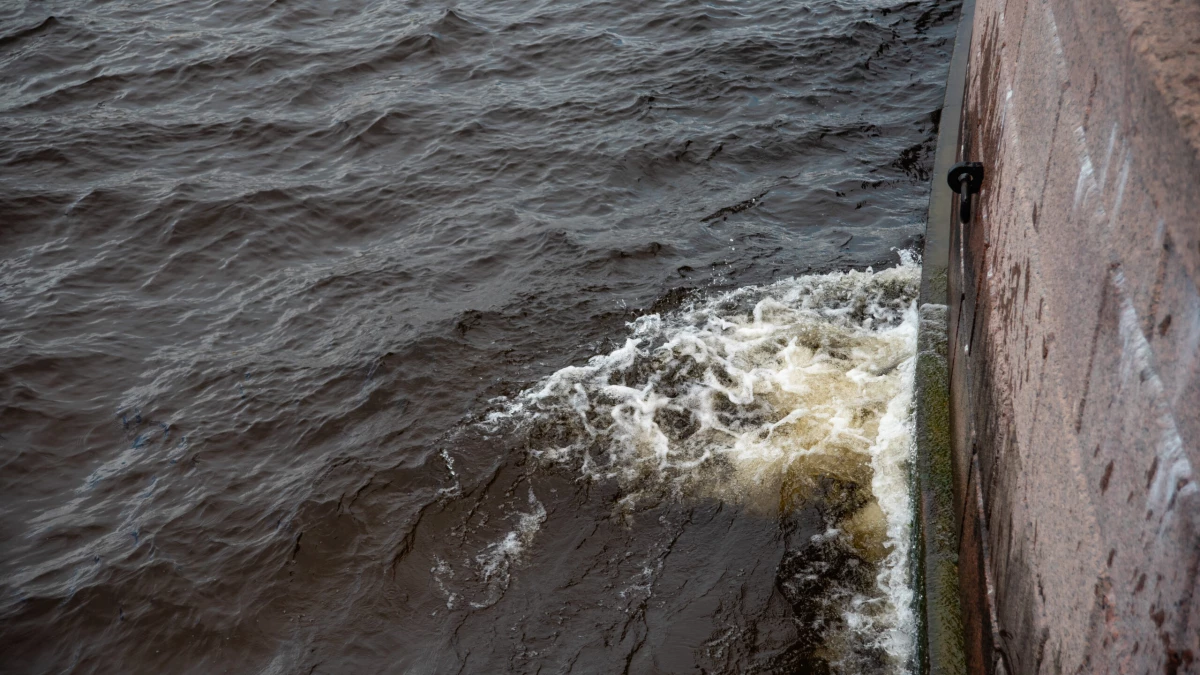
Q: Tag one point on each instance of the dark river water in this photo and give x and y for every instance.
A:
(518, 336)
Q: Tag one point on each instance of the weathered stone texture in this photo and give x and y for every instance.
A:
(1075, 338)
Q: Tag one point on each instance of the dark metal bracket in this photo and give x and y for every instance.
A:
(965, 179)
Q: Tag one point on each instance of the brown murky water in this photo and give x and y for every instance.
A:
(410, 337)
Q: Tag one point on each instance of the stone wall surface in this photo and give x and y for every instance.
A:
(1075, 339)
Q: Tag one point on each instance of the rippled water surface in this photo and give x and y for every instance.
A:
(407, 337)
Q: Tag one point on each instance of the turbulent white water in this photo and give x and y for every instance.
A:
(760, 396)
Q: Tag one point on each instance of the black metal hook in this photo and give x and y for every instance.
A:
(965, 179)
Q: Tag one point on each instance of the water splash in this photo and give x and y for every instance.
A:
(772, 397)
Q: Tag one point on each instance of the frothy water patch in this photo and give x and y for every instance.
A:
(773, 397)
(496, 560)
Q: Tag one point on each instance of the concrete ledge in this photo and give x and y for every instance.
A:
(941, 642)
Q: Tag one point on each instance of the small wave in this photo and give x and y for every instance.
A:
(23, 33)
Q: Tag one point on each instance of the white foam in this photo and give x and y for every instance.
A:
(442, 571)
(754, 396)
(496, 560)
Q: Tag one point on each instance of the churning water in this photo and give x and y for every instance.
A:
(779, 397)
(506, 336)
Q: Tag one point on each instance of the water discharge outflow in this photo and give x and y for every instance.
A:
(265, 266)
(774, 397)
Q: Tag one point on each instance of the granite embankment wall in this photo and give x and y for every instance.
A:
(1074, 339)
